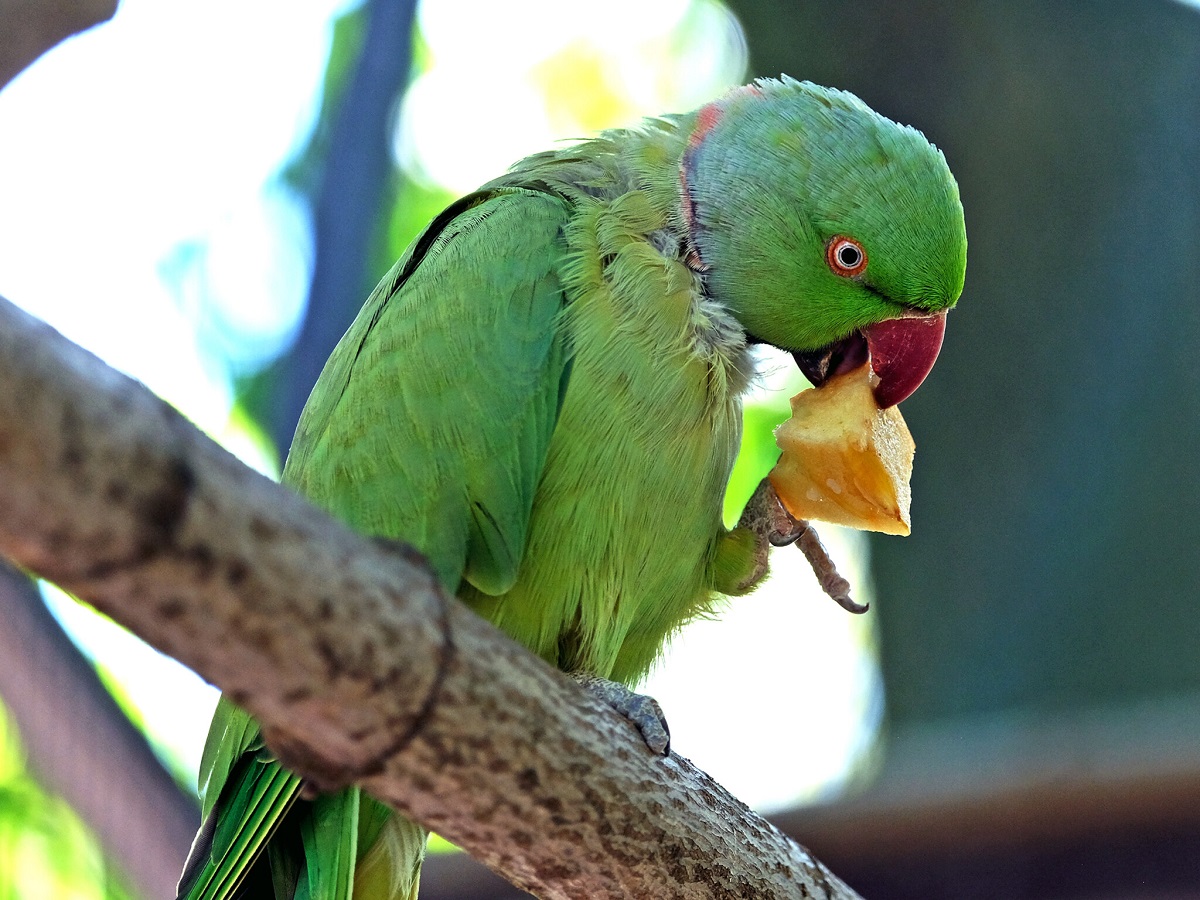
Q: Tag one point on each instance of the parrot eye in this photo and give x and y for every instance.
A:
(846, 256)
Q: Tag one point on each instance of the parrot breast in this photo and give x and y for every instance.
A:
(627, 513)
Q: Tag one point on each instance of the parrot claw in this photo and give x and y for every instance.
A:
(780, 538)
(643, 711)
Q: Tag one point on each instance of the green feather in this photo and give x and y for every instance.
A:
(431, 421)
(258, 795)
(330, 835)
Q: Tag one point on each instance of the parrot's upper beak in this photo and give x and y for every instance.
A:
(901, 350)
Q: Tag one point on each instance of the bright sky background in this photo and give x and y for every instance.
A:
(139, 196)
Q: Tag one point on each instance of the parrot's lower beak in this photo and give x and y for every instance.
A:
(901, 350)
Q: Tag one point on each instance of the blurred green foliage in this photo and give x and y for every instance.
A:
(45, 850)
(759, 452)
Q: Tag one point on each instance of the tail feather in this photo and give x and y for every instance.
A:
(391, 867)
(234, 835)
(338, 846)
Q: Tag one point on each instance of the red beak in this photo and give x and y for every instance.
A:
(902, 353)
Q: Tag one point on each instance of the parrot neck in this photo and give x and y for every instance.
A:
(653, 157)
(704, 120)
(649, 160)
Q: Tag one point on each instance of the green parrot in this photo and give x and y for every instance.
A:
(543, 397)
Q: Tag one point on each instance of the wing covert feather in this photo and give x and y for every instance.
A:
(431, 420)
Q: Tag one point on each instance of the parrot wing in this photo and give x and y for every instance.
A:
(431, 421)
(429, 424)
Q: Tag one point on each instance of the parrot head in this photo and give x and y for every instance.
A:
(827, 229)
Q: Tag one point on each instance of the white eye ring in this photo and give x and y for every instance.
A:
(846, 256)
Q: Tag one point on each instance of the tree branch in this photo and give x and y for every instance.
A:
(31, 27)
(360, 669)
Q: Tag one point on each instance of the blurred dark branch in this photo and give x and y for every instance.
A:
(31, 27)
(82, 747)
(349, 204)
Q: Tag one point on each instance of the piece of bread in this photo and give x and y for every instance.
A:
(844, 459)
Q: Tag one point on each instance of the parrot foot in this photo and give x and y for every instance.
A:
(643, 711)
(766, 517)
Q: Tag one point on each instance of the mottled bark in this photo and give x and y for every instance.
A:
(361, 670)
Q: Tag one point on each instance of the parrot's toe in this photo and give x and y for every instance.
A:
(643, 711)
(833, 584)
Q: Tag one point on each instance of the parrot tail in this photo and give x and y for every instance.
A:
(391, 869)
